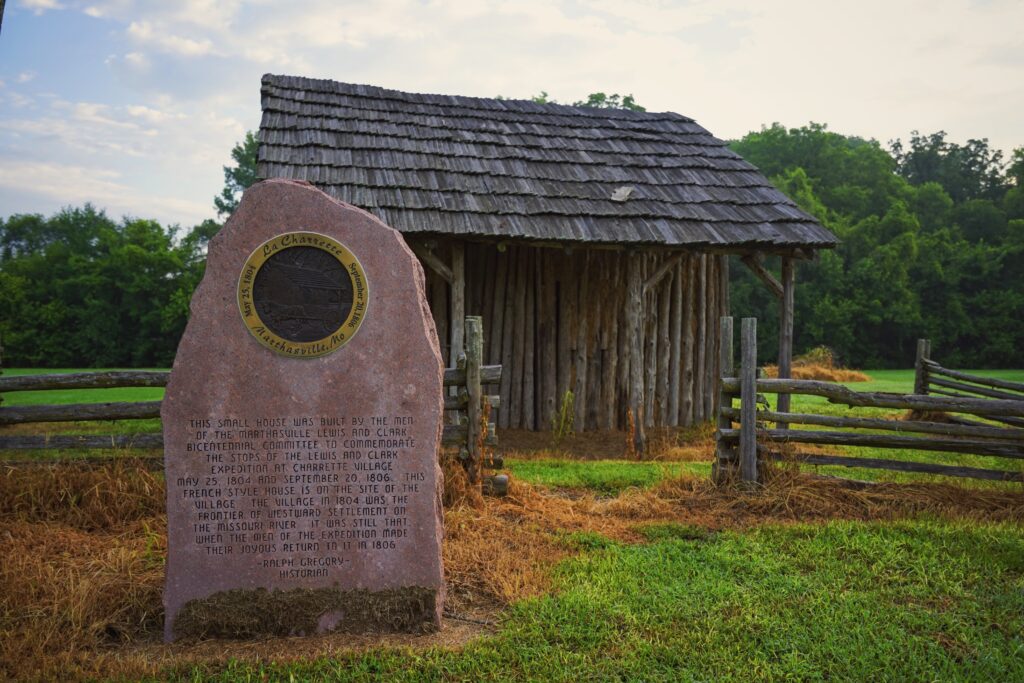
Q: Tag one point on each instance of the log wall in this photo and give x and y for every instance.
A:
(559, 320)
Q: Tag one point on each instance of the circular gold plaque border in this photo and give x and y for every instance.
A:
(320, 347)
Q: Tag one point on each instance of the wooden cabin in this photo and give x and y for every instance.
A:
(595, 243)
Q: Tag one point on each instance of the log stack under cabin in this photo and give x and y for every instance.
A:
(595, 243)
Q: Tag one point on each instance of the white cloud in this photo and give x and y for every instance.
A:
(76, 184)
(143, 32)
(187, 72)
(25, 76)
(40, 6)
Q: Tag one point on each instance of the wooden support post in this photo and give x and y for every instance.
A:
(609, 346)
(786, 330)
(497, 320)
(689, 354)
(724, 275)
(711, 374)
(748, 402)
(566, 313)
(458, 301)
(439, 309)
(530, 344)
(547, 338)
(700, 389)
(582, 335)
(508, 335)
(676, 332)
(723, 454)
(474, 408)
(519, 339)
(664, 354)
(634, 326)
(920, 369)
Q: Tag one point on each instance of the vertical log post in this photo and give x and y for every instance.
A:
(724, 457)
(675, 353)
(474, 409)
(748, 402)
(786, 331)
(634, 326)
(548, 340)
(700, 390)
(530, 347)
(458, 312)
(920, 371)
(508, 334)
(580, 345)
(686, 416)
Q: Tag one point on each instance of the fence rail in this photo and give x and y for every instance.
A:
(932, 378)
(742, 448)
(472, 432)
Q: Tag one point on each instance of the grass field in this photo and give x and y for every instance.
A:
(841, 602)
(550, 467)
(591, 570)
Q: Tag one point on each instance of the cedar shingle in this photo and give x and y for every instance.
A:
(513, 168)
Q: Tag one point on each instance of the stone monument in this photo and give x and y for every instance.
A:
(301, 429)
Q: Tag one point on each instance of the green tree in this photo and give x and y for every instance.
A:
(970, 171)
(239, 176)
(594, 99)
(602, 101)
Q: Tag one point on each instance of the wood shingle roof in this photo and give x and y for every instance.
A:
(517, 169)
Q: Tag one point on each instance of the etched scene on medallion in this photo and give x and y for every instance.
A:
(303, 294)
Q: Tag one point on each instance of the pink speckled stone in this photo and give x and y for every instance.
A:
(391, 368)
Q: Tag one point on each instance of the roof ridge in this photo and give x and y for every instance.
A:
(329, 86)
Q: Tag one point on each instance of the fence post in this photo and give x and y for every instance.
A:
(748, 402)
(474, 407)
(723, 457)
(920, 371)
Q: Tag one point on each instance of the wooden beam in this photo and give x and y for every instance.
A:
(662, 271)
(79, 412)
(756, 265)
(430, 258)
(994, 448)
(837, 393)
(978, 430)
(901, 466)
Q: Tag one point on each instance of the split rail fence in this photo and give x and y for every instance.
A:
(472, 431)
(741, 449)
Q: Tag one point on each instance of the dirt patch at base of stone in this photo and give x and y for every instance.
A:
(301, 611)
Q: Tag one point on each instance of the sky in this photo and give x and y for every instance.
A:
(134, 105)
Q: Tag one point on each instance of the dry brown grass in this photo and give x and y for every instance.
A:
(80, 590)
(819, 363)
(683, 444)
(83, 496)
(819, 372)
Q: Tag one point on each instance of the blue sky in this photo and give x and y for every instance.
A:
(135, 105)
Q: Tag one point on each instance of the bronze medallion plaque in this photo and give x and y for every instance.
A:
(302, 294)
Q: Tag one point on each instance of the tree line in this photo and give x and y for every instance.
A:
(931, 245)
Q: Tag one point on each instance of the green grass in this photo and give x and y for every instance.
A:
(604, 478)
(902, 382)
(56, 396)
(921, 600)
(64, 396)
(608, 477)
(892, 381)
